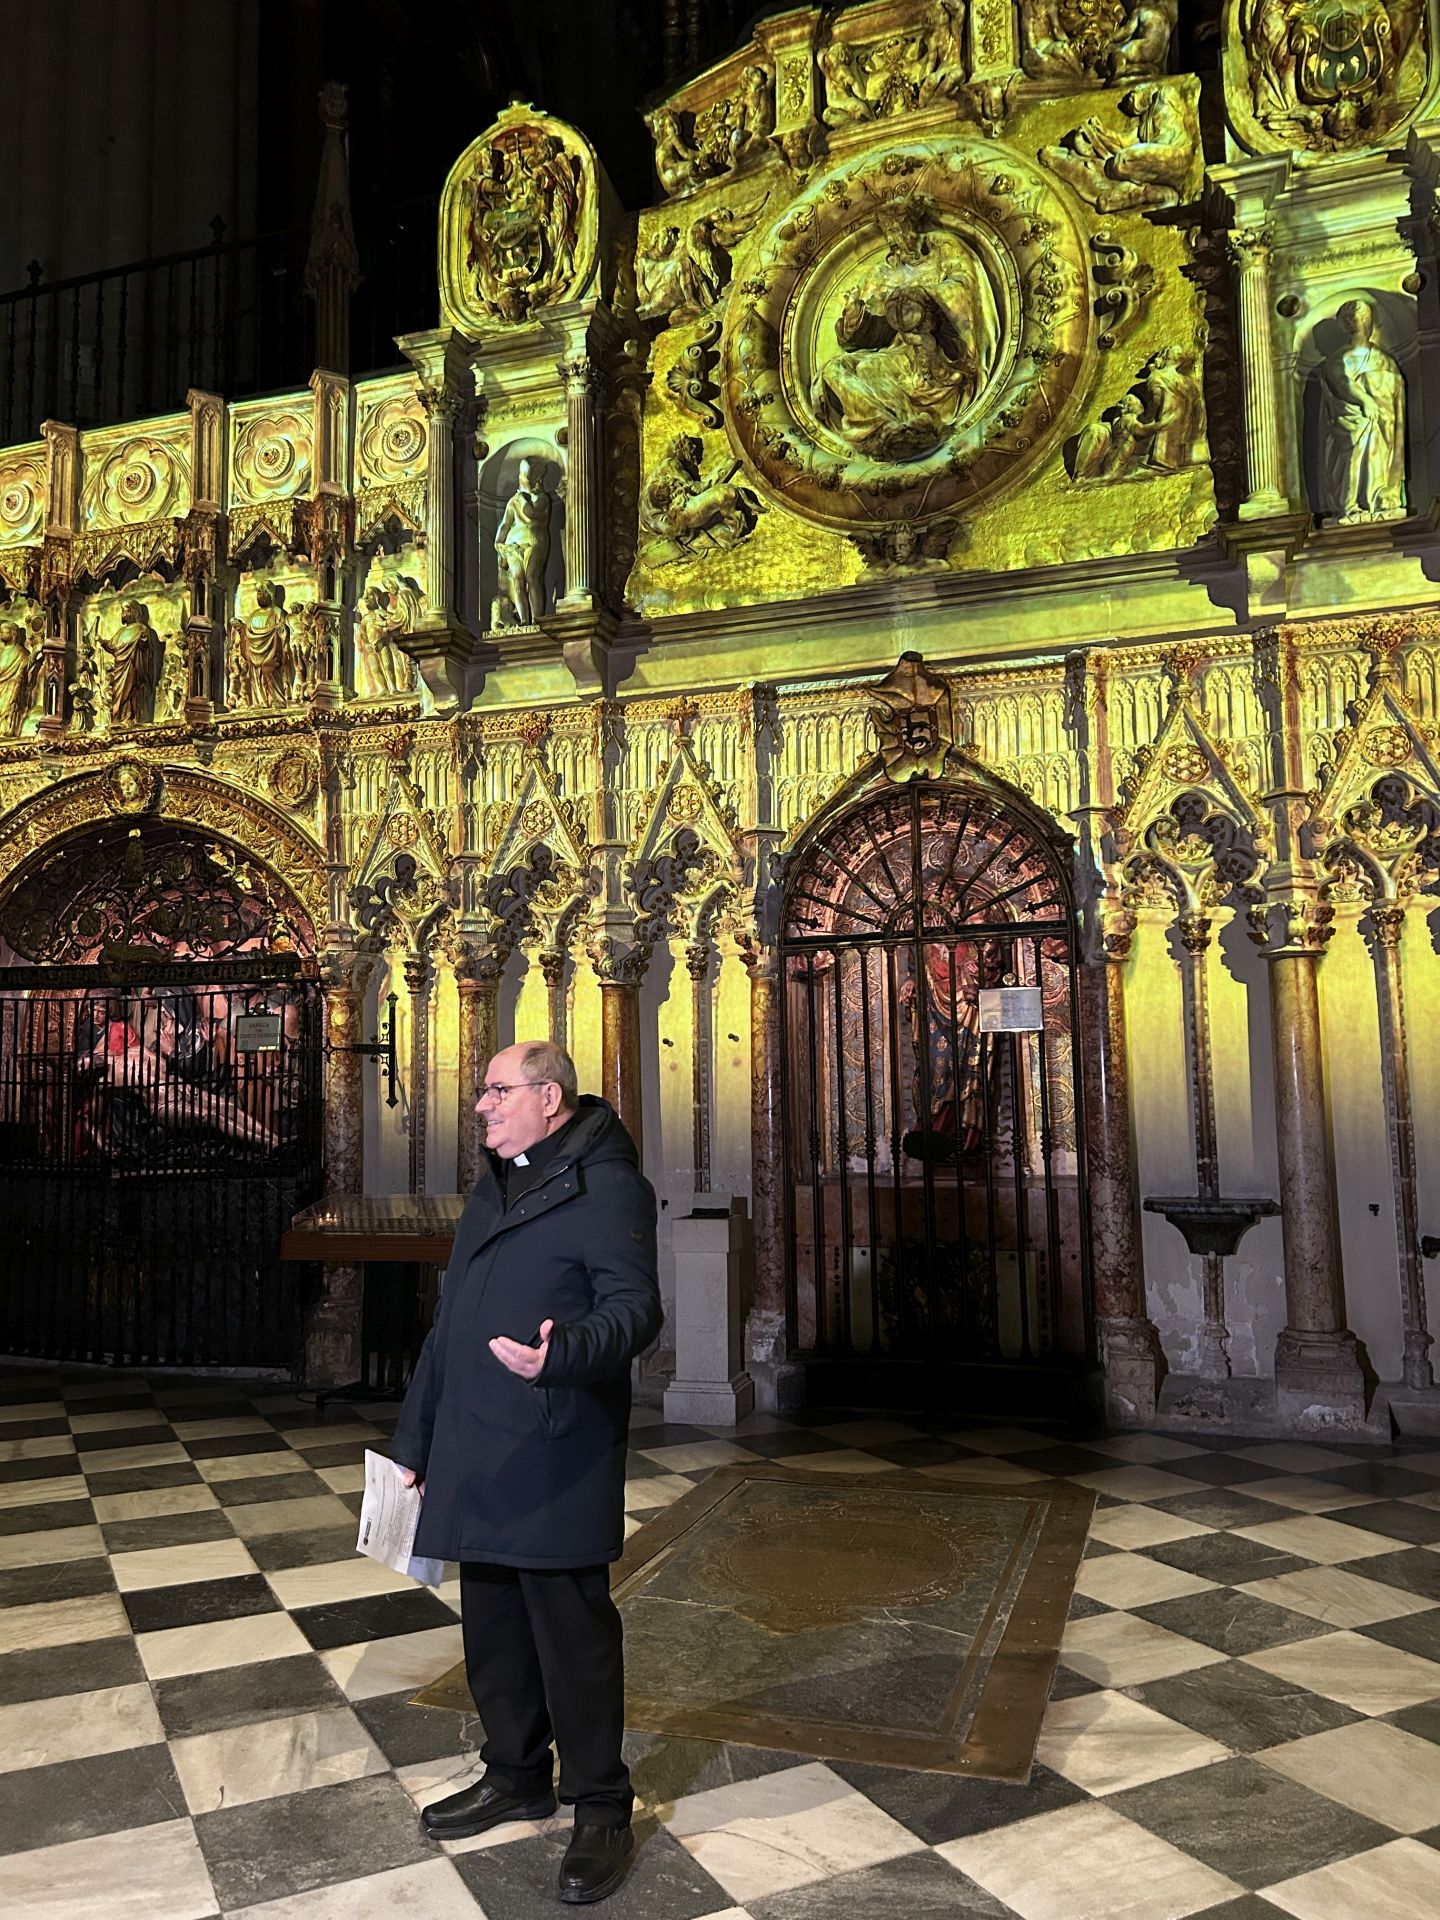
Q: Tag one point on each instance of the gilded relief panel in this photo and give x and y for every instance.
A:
(1325, 76)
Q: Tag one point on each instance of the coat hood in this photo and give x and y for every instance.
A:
(597, 1134)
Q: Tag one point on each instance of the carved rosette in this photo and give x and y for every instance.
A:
(906, 338)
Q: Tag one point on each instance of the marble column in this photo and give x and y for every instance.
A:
(552, 968)
(620, 1054)
(333, 1326)
(1389, 924)
(582, 483)
(1193, 931)
(1318, 1382)
(418, 980)
(478, 978)
(779, 1382)
(1129, 1344)
(1250, 247)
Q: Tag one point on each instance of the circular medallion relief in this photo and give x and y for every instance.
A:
(132, 787)
(1386, 746)
(907, 337)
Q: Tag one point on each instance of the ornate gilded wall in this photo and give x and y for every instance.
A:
(977, 331)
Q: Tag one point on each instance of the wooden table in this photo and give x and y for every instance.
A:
(356, 1228)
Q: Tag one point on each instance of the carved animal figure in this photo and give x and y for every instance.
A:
(685, 513)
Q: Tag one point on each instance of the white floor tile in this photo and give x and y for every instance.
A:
(1310, 1536)
(655, 1490)
(1140, 1483)
(1337, 1596)
(758, 1837)
(344, 1479)
(1290, 1456)
(43, 1549)
(842, 1460)
(334, 1580)
(431, 1891)
(1138, 1526)
(150, 1873)
(153, 1502)
(73, 1726)
(159, 1453)
(1132, 1580)
(698, 1456)
(31, 1410)
(1304, 1495)
(116, 1422)
(1394, 1882)
(1119, 1650)
(273, 1757)
(220, 1643)
(1105, 1742)
(1379, 1770)
(220, 1428)
(40, 1493)
(62, 1623)
(1355, 1670)
(180, 1566)
(36, 1446)
(250, 1466)
(257, 1518)
(1087, 1863)
(1144, 1449)
(372, 1667)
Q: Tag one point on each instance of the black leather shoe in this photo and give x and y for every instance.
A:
(476, 1809)
(595, 1863)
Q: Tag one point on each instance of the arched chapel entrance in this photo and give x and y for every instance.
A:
(160, 1099)
(934, 1186)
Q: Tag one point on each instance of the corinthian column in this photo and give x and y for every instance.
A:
(1250, 247)
(1318, 1382)
(1129, 1344)
(581, 375)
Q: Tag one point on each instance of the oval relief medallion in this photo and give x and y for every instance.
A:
(906, 339)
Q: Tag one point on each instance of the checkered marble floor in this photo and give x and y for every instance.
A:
(204, 1692)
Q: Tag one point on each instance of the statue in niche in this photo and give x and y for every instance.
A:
(1158, 427)
(1365, 414)
(685, 514)
(134, 650)
(1087, 40)
(522, 551)
(919, 337)
(393, 607)
(524, 221)
(21, 643)
(1146, 167)
(309, 651)
(259, 659)
(1329, 72)
(84, 700)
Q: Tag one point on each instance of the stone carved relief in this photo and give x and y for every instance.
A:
(691, 381)
(1365, 420)
(1146, 166)
(136, 656)
(683, 272)
(519, 221)
(522, 551)
(22, 498)
(393, 605)
(684, 511)
(714, 140)
(898, 73)
(1324, 74)
(1158, 427)
(275, 657)
(140, 481)
(391, 441)
(1081, 41)
(913, 714)
(22, 639)
(938, 305)
(1124, 284)
(271, 457)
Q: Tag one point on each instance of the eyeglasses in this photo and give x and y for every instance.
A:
(494, 1090)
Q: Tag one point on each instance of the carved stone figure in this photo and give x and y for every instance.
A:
(914, 720)
(1158, 427)
(754, 114)
(682, 276)
(391, 608)
(19, 667)
(918, 339)
(1326, 73)
(1147, 167)
(898, 74)
(523, 221)
(83, 701)
(522, 551)
(684, 513)
(677, 165)
(1112, 446)
(1089, 40)
(309, 647)
(259, 663)
(134, 651)
(1365, 422)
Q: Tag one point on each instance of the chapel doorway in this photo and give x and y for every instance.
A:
(161, 1079)
(934, 1156)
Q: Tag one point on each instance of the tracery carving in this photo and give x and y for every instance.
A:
(1147, 165)
(1081, 41)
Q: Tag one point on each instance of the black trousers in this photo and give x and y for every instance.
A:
(544, 1659)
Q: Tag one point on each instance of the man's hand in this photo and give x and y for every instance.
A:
(407, 1474)
(526, 1361)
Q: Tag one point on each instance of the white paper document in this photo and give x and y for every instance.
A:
(389, 1515)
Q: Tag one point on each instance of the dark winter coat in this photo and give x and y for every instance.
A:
(532, 1473)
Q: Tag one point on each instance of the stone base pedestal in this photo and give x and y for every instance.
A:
(444, 657)
(333, 1355)
(1413, 1411)
(779, 1381)
(1134, 1368)
(1191, 1401)
(1319, 1387)
(711, 1386)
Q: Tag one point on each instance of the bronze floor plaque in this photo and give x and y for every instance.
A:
(901, 1618)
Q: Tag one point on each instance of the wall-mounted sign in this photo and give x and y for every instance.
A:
(257, 1033)
(1011, 1010)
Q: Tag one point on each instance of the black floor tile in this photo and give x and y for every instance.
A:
(408, 1735)
(1417, 1633)
(1062, 1460)
(1233, 1623)
(272, 1848)
(648, 1438)
(937, 1807)
(166, 1530)
(1413, 1570)
(140, 1401)
(273, 1551)
(1388, 1479)
(240, 1696)
(517, 1881)
(1419, 1525)
(223, 1446)
(1067, 1684)
(1249, 1823)
(268, 1486)
(194, 1602)
(917, 1454)
(143, 1479)
(78, 1799)
(1225, 1558)
(43, 1673)
(46, 1517)
(1250, 1906)
(380, 1617)
(1216, 1470)
(112, 1439)
(1242, 1707)
(25, 1389)
(1422, 1720)
(665, 1767)
(34, 1429)
(52, 1467)
(1082, 1607)
(63, 1580)
(1225, 1508)
(777, 1445)
(339, 1453)
(917, 1886)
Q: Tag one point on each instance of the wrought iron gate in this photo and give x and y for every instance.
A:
(156, 1137)
(935, 1200)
